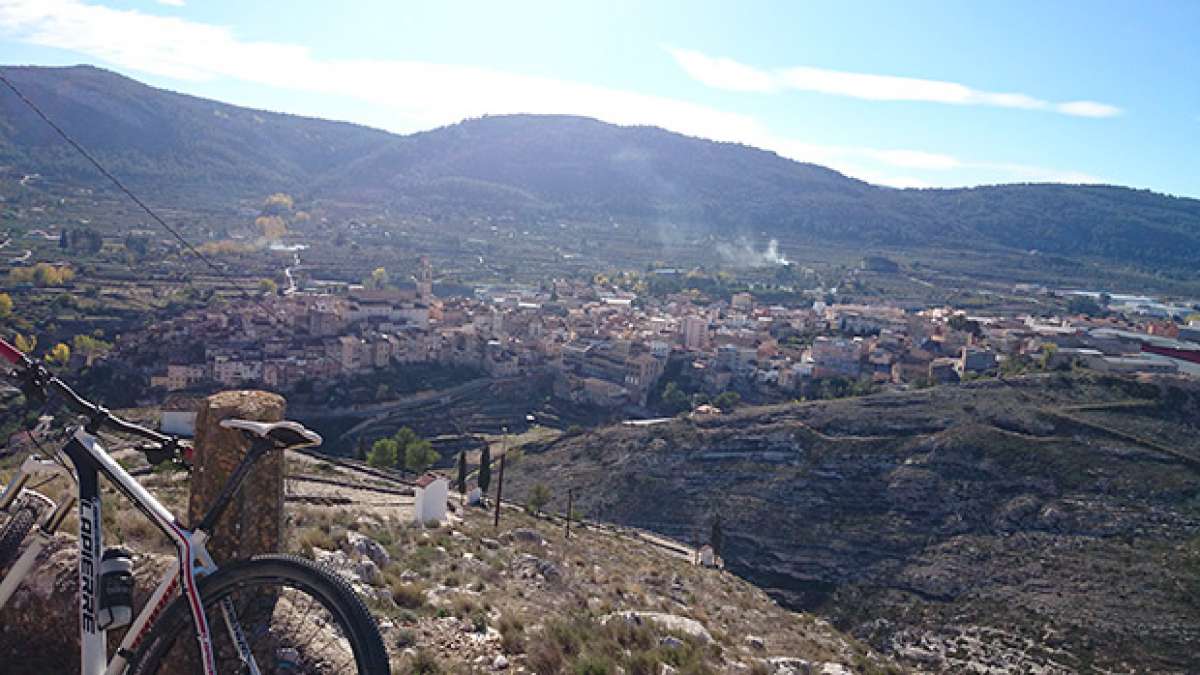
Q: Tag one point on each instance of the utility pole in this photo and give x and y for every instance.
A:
(570, 501)
(500, 480)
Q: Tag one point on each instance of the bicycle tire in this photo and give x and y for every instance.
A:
(257, 574)
(23, 514)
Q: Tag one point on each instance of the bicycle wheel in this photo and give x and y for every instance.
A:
(21, 516)
(297, 618)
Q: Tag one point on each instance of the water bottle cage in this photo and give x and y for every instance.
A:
(116, 590)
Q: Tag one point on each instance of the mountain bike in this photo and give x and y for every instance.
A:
(268, 614)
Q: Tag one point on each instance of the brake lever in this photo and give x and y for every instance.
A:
(176, 451)
(157, 454)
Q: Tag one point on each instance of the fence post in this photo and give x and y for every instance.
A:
(253, 523)
(570, 500)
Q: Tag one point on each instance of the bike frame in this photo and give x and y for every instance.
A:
(90, 460)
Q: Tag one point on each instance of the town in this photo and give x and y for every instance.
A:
(611, 348)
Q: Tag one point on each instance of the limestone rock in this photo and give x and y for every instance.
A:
(668, 622)
(364, 546)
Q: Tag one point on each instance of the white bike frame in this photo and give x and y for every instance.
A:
(90, 460)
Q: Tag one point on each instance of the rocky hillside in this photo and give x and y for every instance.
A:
(1043, 523)
(468, 597)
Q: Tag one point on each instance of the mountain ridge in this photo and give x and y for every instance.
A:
(542, 169)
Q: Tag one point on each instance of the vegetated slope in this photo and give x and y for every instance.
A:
(160, 140)
(540, 169)
(466, 596)
(991, 524)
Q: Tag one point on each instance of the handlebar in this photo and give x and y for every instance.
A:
(39, 382)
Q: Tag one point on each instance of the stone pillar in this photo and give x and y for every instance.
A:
(253, 522)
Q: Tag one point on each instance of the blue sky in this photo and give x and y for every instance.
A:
(901, 93)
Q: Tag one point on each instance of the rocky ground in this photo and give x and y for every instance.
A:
(1047, 524)
(469, 597)
(524, 598)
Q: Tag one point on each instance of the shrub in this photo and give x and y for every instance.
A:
(545, 658)
(642, 663)
(512, 634)
(314, 537)
(423, 663)
(539, 496)
(568, 636)
(593, 664)
(405, 639)
(408, 596)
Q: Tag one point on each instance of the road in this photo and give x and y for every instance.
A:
(287, 272)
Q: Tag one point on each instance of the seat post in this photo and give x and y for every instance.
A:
(259, 447)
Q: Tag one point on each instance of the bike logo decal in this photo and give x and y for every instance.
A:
(89, 543)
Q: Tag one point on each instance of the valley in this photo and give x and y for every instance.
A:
(986, 525)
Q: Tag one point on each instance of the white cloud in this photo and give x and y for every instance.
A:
(419, 95)
(1088, 109)
(723, 73)
(171, 3)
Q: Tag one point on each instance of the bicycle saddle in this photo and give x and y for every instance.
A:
(287, 435)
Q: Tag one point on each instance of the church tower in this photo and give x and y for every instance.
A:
(425, 280)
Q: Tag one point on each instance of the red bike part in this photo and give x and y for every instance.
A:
(11, 353)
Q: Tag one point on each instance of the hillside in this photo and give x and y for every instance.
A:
(543, 169)
(469, 597)
(1048, 522)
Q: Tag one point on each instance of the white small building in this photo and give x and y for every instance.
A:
(707, 557)
(179, 416)
(429, 506)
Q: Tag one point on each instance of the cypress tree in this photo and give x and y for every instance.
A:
(485, 468)
(716, 536)
(462, 472)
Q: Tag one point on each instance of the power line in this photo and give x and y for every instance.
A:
(129, 193)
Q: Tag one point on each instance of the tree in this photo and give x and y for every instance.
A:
(6, 305)
(385, 452)
(42, 275)
(138, 245)
(379, 279)
(716, 535)
(962, 323)
(25, 344)
(420, 455)
(278, 204)
(485, 468)
(268, 287)
(539, 496)
(727, 400)
(461, 482)
(1084, 304)
(60, 354)
(1048, 352)
(674, 399)
(273, 227)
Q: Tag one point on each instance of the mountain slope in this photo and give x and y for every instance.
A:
(1012, 523)
(157, 139)
(542, 169)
